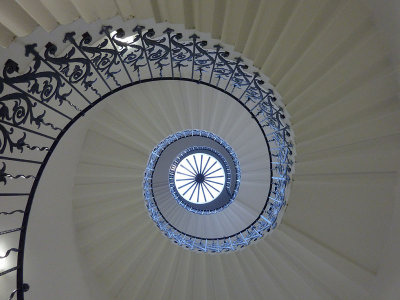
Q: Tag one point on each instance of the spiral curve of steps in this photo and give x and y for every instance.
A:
(327, 62)
(108, 186)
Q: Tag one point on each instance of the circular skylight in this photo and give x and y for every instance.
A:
(203, 180)
(201, 170)
(199, 178)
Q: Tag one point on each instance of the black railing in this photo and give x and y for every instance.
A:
(38, 103)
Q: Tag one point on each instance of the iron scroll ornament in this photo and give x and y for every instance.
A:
(69, 85)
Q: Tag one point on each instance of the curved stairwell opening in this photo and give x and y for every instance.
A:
(90, 235)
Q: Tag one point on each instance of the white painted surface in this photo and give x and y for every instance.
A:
(387, 284)
(339, 88)
(53, 266)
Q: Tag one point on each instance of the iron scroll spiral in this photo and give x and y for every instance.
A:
(43, 102)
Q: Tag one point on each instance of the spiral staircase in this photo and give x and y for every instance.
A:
(90, 235)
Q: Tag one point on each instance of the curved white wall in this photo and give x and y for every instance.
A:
(53, 267)
(387, 285)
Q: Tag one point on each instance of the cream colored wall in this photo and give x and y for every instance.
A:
(53, 267)
(388, 278)
(386, 14)
(386, 11)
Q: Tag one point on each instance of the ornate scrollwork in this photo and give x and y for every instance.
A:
(18, 109)
(253, 92)
(180, 51)
(132, 53)
(21, 110)
(203, 61)
(81, 73)
(103, 59)
(240, 78)
(5, 139)
(223, 68)
(46, 84)
(84, 68)
(157, 52)
(76, 70)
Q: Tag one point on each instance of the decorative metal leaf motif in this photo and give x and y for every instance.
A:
(86, 72)
(5, 140)
(102, 59)
(46, 84)
(77, 70)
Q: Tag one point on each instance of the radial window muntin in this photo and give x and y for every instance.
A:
(232, 171)
(218, 190)
(199, 178)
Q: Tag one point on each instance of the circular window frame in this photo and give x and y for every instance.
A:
(225, 197)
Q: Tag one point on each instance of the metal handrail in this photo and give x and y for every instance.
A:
(89, 73)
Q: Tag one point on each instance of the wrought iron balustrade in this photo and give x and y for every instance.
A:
(42, 103)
